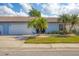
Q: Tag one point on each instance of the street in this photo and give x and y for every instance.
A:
(33, 53)
(38, 52)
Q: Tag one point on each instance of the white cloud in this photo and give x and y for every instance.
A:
(72, 8)
(4, 10)
(55, 10)
(43, 15)
(51, 9)
(7, 11)
(22, 13)
(26, 7)
(74, 11)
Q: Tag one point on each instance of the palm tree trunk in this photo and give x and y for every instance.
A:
(43, 31)
(37, 31)
(71, 28)
(64, 29)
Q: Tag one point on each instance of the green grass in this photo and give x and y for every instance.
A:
(54, 39)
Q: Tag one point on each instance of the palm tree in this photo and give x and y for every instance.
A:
(42, 24)
(64, 19)
(39, 24)
(33, 24)
(34, 13)
(74, 20)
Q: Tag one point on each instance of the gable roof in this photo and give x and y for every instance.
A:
(23, 19)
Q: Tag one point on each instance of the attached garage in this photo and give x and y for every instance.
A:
(15, 29)
(19, 28)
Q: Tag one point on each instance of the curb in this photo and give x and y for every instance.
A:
(57, 45)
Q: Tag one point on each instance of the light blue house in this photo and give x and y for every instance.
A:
(14, 25)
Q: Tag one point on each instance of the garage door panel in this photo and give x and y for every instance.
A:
(1, 30)
(19, 28)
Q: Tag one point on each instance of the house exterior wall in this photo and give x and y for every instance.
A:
(52, 27)
(21, 28)
(1, 29)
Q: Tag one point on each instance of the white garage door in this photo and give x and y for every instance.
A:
(1, 30)
(19, 28)
(52, 27)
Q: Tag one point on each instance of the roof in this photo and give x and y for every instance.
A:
(52, 19)
(23, 19)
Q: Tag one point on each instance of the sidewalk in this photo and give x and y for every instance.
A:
(41, 47)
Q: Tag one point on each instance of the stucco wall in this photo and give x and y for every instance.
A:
(1, 29)
(52, 27)
(21, 28)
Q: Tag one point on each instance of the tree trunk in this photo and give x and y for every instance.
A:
(71, 28)
(43, 31)
(37, 31)
(64, 28)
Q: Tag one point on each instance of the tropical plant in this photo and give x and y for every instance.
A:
(64, 19)
(34, 13)
(74, 20)
(42, 24)
(39, 24)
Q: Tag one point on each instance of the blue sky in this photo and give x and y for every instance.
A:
(46, 9)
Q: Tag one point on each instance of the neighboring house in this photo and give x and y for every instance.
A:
(14, 25)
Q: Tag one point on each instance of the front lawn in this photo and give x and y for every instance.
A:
(52, 39)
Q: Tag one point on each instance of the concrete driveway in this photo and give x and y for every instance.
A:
(10, 41)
